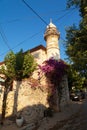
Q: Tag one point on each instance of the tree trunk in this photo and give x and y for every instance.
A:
(4, 105)
(15, 107)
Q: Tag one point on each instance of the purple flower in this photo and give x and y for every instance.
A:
(54, 69)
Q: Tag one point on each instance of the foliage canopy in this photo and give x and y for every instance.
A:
(18, 66)
(76, 44)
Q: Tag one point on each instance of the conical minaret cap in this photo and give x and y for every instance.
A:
(51, 29)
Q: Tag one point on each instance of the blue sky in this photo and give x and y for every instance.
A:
(20, 28)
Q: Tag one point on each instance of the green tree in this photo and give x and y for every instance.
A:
(9, 65)
(16, 67)
(74, 79)
(76, 44)
(29, 65)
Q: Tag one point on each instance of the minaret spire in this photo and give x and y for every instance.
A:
(51, 37)
(50, 20)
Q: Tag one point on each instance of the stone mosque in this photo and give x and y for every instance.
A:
(29, 102)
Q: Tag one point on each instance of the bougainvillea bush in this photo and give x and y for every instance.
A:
(54, 70)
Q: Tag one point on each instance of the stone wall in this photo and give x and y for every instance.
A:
(65, 99)
(30, 102)
(39, 56)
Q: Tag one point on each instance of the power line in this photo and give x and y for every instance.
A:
(35, 12)
(62, 21)
(64, 15)
(22, 42)
(57, 12)
(35, 33)
(18, 45)
(22, 18)
(10, 21)
(4, 37)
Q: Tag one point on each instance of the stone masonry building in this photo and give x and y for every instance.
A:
(31, 103)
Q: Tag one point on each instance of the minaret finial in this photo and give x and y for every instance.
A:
(50, 20)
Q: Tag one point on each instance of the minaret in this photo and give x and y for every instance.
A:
(51, 37)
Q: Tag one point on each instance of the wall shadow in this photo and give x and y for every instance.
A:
(31, 114)
(37, 113)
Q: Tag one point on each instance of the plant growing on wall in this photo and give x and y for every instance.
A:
(54, 70)
(16, 67)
